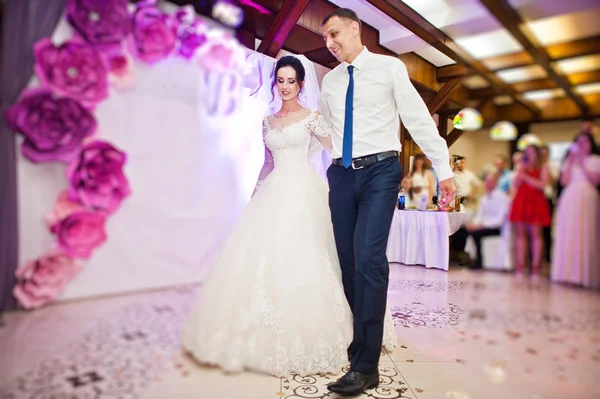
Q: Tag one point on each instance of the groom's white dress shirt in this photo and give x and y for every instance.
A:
(382, 91)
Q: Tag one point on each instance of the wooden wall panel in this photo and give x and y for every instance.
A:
(421, 70)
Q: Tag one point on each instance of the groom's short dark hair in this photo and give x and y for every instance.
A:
(344, 13)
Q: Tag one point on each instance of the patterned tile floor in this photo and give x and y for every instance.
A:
(462, 335)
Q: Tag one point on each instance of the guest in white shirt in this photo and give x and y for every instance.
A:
(466, 181)
(467, 184)
(362, 99)
(491, 215)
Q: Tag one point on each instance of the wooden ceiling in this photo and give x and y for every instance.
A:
(294, 26)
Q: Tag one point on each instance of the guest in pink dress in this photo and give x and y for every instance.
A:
(576, 255)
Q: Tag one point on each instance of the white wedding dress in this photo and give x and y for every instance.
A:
(274, 300)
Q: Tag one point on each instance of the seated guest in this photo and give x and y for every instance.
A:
(467, 182)
(407, 191)
(491, 215)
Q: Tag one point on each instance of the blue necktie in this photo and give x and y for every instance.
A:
(347, 142)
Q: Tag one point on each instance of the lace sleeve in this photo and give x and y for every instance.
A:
(267, 167)
(319, 126)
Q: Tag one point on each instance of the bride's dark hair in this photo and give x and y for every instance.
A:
(288, 61)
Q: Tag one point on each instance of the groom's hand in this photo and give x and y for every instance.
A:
(448, 189)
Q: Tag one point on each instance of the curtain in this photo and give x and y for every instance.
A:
(24, 22)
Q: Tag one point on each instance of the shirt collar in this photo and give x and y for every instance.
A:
(360, 59)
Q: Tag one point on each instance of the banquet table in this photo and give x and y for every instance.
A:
(422, 237)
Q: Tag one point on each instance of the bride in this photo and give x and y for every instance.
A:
(274, 301)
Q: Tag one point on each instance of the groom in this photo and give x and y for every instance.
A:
(362, 98)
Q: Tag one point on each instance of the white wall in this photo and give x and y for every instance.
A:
(479, 149)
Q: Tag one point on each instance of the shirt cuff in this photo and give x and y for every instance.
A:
(443, 172)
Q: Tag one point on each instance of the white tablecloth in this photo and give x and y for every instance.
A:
(421, 237)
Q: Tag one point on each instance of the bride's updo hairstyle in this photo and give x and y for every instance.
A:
(288, 61)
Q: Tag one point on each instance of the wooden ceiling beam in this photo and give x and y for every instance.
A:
(553, 110)
(449, 72)
(443, 95)
(449, 112)
(508, 61)
(540, 84)
(536, 84)
(413, 21)
(453, 136)
(575, 48)
(480, 94)
(284, 22)
(581, 78)
(557, 52)
(512, 21)
(321, 56)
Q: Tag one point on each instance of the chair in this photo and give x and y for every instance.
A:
(495, 250)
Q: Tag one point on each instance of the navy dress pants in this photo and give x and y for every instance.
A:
(362, 203)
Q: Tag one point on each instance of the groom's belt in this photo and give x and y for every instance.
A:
(361, 162)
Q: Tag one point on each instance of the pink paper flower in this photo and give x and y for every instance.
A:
(42, 280)
(97, 179)
(105, 22)
(72, 69)
(54, 128)
(119, 65)
(80, 233)
(154, 33)
(62, 208)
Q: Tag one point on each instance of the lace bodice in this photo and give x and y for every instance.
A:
(288, 139)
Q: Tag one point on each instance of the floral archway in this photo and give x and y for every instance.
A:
(57, 120)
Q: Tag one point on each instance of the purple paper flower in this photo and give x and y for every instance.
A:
(100, 22)
(72, 69)
(96, 177)
(190, 31)
(53, 127)
(154, 32)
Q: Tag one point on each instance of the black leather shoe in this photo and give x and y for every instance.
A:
(354, 383)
